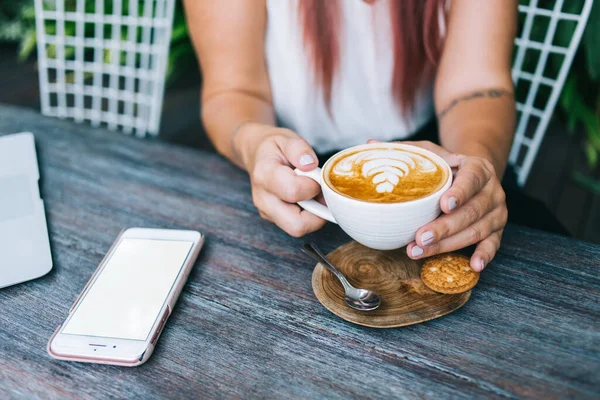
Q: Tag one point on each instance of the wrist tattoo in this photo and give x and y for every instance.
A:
(487, 93)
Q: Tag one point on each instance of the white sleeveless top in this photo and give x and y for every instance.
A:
(363, 105)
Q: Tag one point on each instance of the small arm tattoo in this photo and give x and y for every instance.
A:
(489, 93)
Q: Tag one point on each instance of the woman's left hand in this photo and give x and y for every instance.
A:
(474, 211)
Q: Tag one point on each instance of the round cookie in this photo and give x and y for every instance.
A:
(449, 273)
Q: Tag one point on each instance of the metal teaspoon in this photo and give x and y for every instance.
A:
(359, 299)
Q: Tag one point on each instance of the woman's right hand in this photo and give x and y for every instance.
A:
(270, 155)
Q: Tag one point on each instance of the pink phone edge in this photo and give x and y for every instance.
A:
(145, 355)
(187, 268)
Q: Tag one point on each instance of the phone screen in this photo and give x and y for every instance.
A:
(128, 294)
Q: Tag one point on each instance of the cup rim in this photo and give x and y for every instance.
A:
(417, 149)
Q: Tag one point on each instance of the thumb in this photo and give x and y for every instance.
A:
(299, 153)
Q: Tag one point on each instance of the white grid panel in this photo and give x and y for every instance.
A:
(537, 90)
(104, 61)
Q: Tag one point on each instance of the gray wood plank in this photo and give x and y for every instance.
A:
(248, 325)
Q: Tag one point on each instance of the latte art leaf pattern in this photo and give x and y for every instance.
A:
(384, 167)
(386, 174)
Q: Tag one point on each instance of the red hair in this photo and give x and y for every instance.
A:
(417, 44)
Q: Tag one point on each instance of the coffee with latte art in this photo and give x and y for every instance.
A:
(386, 175)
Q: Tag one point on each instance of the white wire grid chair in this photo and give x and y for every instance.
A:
(104, 61)
(538, 86)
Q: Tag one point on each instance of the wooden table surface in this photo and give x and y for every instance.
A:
(247, 323)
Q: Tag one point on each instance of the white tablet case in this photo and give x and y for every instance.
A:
(24, 245)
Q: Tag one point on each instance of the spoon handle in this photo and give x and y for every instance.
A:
(312, 250)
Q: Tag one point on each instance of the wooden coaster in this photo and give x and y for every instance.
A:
(405, 300)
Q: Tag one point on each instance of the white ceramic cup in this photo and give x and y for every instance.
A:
(381, 226)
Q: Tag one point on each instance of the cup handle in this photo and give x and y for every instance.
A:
(313, 206)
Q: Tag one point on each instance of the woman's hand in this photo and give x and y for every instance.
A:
(270, 155)
(474, 211)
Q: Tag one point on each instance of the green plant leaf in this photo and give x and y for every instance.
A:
(50, 27)
(569, 92)
(591, 154)
(27, 45)
(593, 135)
(51, 51)
(28, 11)
(571, 123)
(571, 104)
(591, 42)
(69, 52)
(592, 126)
(106, 56)
(180, 30)
(587, 182)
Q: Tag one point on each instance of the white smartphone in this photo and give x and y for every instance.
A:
(122, 310)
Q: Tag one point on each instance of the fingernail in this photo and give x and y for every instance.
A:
(306, 159)
(426, 238)
(416, 251)
(482, 265)
(452, 203)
